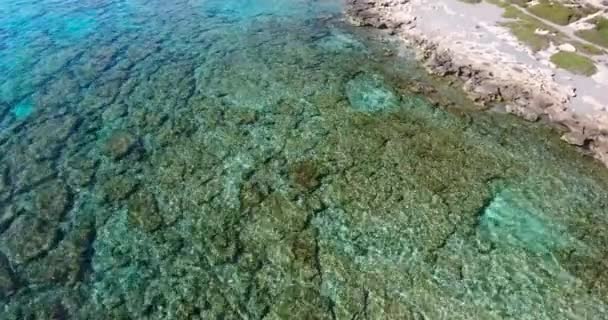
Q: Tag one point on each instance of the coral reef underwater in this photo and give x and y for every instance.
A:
(197, 159)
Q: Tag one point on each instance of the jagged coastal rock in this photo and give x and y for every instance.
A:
(488, 74)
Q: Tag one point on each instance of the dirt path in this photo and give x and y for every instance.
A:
(567, 30)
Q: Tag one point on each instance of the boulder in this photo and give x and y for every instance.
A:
(566, 47)
(143, 211)
(575, 138)
(119, 145)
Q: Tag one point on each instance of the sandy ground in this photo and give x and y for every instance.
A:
(475, 30)
(597, 3)
(471, 35)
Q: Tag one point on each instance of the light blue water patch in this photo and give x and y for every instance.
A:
(337, 42)
(16, 61)
(19, 15)
(512, 220)
(72, 26)
(370, 93)
(23, 110)
(79, 26)
(251, 8)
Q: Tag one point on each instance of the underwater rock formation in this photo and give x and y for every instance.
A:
(488, 53)
(120, 144)
(7, 278)
(369, 93)
(207, 161)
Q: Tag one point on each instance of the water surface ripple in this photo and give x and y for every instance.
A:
(196, 159)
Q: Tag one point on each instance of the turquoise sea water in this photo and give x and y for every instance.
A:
(196, 159)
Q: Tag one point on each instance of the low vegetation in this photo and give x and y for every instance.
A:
(574, 63)
(597, 35)
(557, 13)
(524, 27)
(530, 22)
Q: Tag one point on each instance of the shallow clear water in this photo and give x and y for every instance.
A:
(247, 159)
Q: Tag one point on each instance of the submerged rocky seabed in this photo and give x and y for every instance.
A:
(259, 159)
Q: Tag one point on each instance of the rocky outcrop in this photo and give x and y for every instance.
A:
(524, 91)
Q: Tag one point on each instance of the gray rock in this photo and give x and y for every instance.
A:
(525, 112)
(7, 277)
(36, 230)
(143, 211)
(575, 138)
(119, 144)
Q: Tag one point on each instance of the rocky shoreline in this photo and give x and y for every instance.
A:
(489, 77)
(234, 159)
